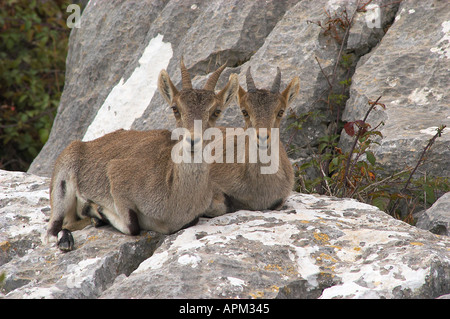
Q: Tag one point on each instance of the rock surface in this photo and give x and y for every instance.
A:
(436, 219)
(34, 270)
(315, 247)
(115, 57)
(410, 70)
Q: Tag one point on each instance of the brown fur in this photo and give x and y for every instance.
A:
(241, 185)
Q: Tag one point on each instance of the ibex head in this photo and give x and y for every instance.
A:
(191, 104)
(265, 108)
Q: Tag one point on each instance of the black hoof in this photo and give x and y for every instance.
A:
(65, 240)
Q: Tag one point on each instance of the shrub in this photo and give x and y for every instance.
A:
(356, 173)
(33, 49)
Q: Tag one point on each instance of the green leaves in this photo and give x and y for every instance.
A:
(33, 49)
(370, 157)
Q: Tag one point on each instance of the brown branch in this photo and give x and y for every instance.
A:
(358, 135)
(326, 77)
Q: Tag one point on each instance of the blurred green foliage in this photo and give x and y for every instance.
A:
(33, 49)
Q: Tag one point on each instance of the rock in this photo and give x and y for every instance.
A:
(409, 69)
(315, 247)
(108, 40)
(34, 270)
(295, 43)
(116, 55)
(24, 210)
(112, 66)
(436, 219)
(113, 63)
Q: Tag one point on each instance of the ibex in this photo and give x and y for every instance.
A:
(243, 185)
(129, 176)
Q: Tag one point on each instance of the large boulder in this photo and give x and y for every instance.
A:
(410, 70)
(115, 57)
(35, 270)
(314, 247)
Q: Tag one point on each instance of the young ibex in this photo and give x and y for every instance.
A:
(243, 185)
(129, 176)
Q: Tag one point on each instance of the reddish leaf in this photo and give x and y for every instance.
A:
(348, 127)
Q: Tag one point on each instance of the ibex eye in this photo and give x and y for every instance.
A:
(217, 113)
(175, 109)
(245, 113)
(280, 113)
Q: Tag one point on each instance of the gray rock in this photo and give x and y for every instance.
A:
(99, 52)
(436, 219)
(115, 57)
(409, 69)
(369, 25)
(296, 42)
(34, 270)
(315, 247)
(114, 85)
(24, 211)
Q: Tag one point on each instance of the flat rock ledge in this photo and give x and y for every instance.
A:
(315, 247)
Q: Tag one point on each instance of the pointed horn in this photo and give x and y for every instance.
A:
(185, 76)
(276, 83)
(250, 83)
(212, 81)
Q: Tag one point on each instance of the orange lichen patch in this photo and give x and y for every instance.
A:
(271, 267)
(5, 245)
(321, 237)
(257, 294)
(274, 288)
(414, 243)
(95, 237)
(289, 270)
(149, 238)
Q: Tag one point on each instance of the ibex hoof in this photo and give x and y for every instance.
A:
(65, 240)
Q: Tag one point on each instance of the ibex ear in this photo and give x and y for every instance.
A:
(241, 94)
(166, 87)
(229, 92)
(291, 91)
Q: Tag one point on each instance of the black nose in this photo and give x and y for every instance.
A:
(193, 141)
(263, 138)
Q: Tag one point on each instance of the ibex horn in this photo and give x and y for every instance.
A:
(276, 82)
(250, 83)
(212, 81)
(185, 77)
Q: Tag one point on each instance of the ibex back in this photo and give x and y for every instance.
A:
(128, 179)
